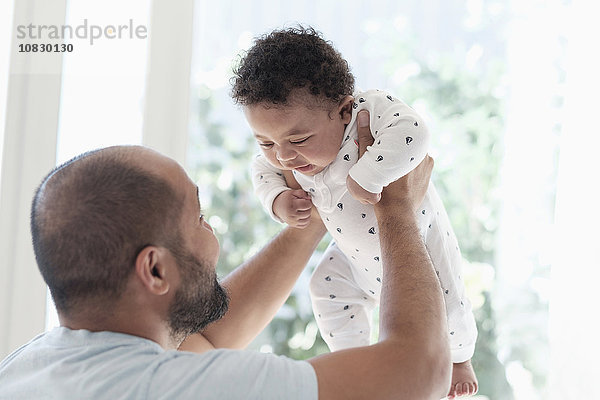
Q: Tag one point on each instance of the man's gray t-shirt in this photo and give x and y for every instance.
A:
(79, 364)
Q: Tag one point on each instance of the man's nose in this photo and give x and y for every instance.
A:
(207, 225)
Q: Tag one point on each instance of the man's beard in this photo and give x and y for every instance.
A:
(199, 300)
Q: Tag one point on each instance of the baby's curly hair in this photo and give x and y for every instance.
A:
(288, 59)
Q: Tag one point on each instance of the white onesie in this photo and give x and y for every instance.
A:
(346, 284)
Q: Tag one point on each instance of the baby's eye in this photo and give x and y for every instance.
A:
(299, 141)
(266, 145)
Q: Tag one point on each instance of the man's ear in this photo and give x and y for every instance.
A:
(345, 109)
(154, 268)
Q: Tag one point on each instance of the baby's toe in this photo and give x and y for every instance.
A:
(451, 393)
(473, 388)
(466, 389)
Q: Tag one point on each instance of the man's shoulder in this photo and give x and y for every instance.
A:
(108, 365)
(24, 348)
(256, 375)
(62, 363)
(226, 362)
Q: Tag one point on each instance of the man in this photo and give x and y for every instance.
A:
(121, 241)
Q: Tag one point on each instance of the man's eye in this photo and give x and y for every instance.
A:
(266, 145)
(300, 141)
(201, 217)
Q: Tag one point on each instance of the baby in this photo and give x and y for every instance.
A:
(298, 97)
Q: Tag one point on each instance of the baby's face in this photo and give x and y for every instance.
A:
(297, 137)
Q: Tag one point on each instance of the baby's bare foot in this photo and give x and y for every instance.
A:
(464, 381)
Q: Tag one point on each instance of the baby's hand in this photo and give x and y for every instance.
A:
(361, 194)
(293, 208)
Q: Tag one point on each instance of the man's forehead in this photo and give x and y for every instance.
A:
(191, 194)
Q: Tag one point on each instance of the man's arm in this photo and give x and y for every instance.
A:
(412, 358)
(259, 287)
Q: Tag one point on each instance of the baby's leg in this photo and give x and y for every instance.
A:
(464, 381)
(342, 309)
(445, 255)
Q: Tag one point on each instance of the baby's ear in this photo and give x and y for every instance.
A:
(345, 109)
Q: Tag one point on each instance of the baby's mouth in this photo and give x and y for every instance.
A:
(304, 168)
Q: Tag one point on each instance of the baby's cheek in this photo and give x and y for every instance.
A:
(326, 153)
(331, 155)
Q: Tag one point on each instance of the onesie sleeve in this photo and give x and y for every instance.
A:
(268, 183)
(401, 141)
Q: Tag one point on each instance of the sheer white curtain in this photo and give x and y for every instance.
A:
(521, 296)
(552, 111)
(574, 307)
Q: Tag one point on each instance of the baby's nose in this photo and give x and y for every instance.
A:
(286, 154)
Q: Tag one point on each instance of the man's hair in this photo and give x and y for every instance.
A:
(90, 217)
(289, 59)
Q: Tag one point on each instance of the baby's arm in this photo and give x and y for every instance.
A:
(361, 194)
(401, 143)
(283, 204)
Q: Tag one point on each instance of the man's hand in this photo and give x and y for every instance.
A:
(411, 188)
(293, 207)
(364, 139)
(360, 193)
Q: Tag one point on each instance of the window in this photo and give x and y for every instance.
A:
(464, 66)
